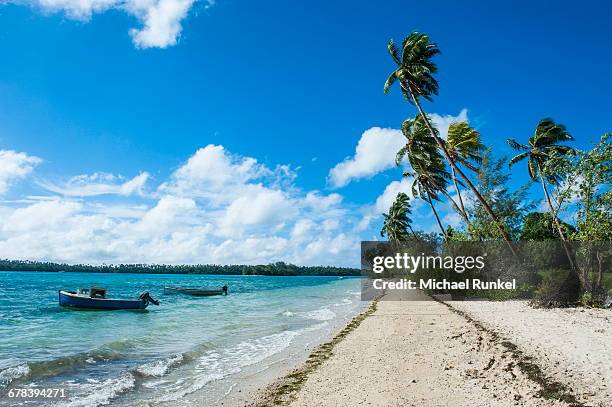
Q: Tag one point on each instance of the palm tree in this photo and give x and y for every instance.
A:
(425, 158)
(420, 147)
(397, 221)
(425, 189)
(540, 148)
(464, 146)
(415, 75)
(429, 171)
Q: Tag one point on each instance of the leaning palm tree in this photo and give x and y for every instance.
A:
(397, 222)
(424, 157)
(420, 147)
(425, 189)
(415, 75)
(464, 146)
(428, 169)
(540, 148)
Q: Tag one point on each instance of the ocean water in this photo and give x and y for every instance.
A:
(188, 351)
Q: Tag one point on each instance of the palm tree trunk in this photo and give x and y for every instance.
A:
(550, 206)
(587, 208)
(465, 215)
(599, 257)
(453, 165)
(555, 219)
(413, 232)
(559, 199)
(450, 199)
(433, 209)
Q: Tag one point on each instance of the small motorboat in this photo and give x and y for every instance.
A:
(195, 291)
(95, 298)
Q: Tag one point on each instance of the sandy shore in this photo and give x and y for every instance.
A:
(416, 352)
(572, 345)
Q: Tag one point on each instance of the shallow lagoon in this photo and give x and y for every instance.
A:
(189, 350)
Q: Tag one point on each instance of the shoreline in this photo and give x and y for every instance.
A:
(230, 346)
(418, 351)
(283, 390)
(257, 378)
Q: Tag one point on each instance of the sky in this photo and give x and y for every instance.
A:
(226, 131)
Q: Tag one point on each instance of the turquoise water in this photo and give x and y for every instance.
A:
(187, 351)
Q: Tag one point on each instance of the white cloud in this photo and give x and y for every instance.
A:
(442, 122)
(260, 206)
(167, 213)
(40, 216)
(214, 174)
(302, 228)
(337, 246)
(76, 9)
(453, 219)
(376, 149)
(217, 207)
(375, 152)
(99, 183)
(162, 22)
(330, 224)
(161, 19)
(316, 201)
(386, 199)
(421, 213)
(15, 166)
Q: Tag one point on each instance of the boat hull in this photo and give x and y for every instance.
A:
(67, 299)
(193, 291)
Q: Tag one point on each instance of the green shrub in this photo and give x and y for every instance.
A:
(559, 288)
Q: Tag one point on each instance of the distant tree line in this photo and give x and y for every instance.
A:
(272, 269)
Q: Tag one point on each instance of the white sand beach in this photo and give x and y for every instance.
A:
(421, 352)
(570, 344)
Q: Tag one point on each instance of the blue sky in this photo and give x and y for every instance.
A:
(139, 87)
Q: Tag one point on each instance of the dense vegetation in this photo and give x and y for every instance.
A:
(461, 171)
(273, 269)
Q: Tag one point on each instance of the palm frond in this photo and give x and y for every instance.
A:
(548, 133)
(518, 158)
(397, 221)
(415, 66)
(407, 95)
(407, 126)
(469, 164)
(532, 168)
(477, 158)
(562, 150)
(400, 155)
(516, 145)
(464, 142)
(389, 82)
(393, 51)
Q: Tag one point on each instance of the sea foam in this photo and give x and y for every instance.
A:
(11, 373)
(323, 314)
(101, 393)
(159, 368)
(217, 364)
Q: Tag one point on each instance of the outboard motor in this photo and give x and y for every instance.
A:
(224, 288)
(148, 299)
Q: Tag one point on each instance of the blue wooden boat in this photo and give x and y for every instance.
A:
(95, 298)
